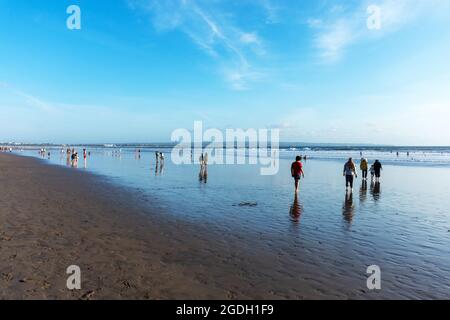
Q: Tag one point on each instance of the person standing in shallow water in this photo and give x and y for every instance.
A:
(377, 167)
(349, 174)
(364, 166)
(297, 171)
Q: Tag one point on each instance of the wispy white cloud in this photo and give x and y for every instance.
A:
(250, 38)
(314, 22)
(337, 36)
(342, 27)
(26, 98)
(272, 11)
(212, 28)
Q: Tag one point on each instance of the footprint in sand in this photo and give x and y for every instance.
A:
(5, 238)
(6, 276)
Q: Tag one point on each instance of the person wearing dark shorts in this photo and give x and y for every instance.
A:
(377, 168)
(297, 171)
(349, 173)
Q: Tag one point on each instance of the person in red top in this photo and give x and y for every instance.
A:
(297, 171)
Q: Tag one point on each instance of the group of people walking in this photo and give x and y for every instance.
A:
(72, 156)
(43, 152)
(349, 172)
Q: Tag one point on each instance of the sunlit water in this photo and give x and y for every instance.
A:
(402, 224)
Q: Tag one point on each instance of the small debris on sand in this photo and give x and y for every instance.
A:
(87, 295)
(247, 204)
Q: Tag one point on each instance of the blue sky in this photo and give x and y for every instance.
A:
(139, 69)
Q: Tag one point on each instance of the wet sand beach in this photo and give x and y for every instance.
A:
(53, 217)
(129, 247)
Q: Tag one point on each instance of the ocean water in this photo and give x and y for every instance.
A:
(402, 224)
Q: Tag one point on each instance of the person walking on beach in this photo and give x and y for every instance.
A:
(350, 174)
(364, 166)
(377, 167)
(74, 159)
(372, 172)
(297, 171)
(68, 156)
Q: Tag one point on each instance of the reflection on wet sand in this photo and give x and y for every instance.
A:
(363, 191)
(296, 210)
(159, 168)
(348, 210)
(375, 190)
(203, 174)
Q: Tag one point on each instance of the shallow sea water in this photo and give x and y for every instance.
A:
(402, 224)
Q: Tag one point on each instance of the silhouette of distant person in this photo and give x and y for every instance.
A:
(364, 166)
(349, 173)
(297, 171)
(377, 167)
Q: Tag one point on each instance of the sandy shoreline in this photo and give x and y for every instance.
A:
(52, 217)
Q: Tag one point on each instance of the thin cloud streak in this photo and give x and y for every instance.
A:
(342, 28)
(213, 32)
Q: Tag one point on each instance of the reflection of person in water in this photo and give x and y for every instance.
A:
(348, 209)
(375, 190)
(296, 210)
(203, 174)
(159, 168)
(363, 191)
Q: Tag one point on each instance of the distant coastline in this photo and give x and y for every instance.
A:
(282, 145)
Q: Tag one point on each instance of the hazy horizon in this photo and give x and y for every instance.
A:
(315, 70)
(282, 144)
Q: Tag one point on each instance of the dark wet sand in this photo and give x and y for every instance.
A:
(52, 217)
